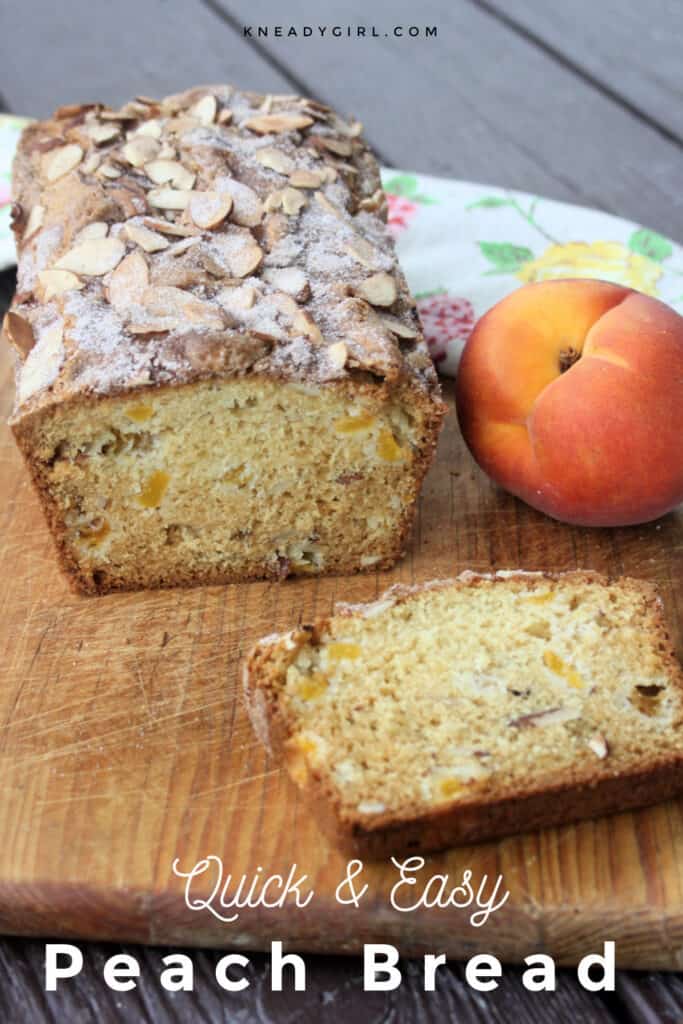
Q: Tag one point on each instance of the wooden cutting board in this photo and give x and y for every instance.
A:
(124, 745)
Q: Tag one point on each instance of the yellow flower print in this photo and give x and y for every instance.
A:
(608, 260)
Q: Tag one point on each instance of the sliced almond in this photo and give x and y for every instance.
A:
(93, 258)
(58, 162)
(247, 208)
(167, 301)
(599, 745)
(56, 282)
(108, 170)
(34, 222)
(328, 206)
(398, 328)
(169, 227)
(341, 147)
(291, 280)
(166, 198)
(305, 179)
(267, 124)
(150, 241)
(152, 128)
(292, 201)
(171, 172)
(96, 229)
(140, 150)
(209, 209)
(362, 252)
(330, 173)
(551, 716)
(91, 163)
(237, 298)
(379, 289)
(273, 201)
(181, 246)
(338, 354)
(225, 116)
(204, 109)
(101, 133)
(304, 323)
(128, 282)
(274, 159)
(128, 112)
(19, 333)
(245, 262)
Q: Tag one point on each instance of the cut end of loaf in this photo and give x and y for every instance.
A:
(228, 480)
(462, 710)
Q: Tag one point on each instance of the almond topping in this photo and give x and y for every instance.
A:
(304, 324)
(273, 201)
(266, 124)
(166, 198)
(167, 301)
(329, 206)
(34, 222)
(150, 128)
(150, 241)
(209, 209)
(58, 162)
(93, 258)
(91, 163)
(398, 328)
(140, 150)
(291, 280)
(225, 116)
(237, 298)
(305, 179)
(204, 109)
(100, 133)
(362, 252)
(19, 333)
(292, 201)
(128, 282)
(338, 354)
(96, 229)
(379, 290)
(55, 282)
(275, 160)
(162, 172)
(342, 147)
(168, 227)
(108, 171)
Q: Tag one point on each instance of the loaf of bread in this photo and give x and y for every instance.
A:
(221, 375)
(463, 710)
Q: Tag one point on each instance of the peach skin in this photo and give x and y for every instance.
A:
(570, 396)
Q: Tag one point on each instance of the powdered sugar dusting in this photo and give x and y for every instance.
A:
(224, 280)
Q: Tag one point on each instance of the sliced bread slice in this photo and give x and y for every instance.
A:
(461, 710)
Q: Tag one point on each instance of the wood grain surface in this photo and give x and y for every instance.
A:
(124, 745)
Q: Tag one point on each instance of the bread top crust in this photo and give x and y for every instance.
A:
(211, 233)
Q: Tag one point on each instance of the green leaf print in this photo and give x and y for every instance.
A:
(406, 185)
(490, 202)
(650, 244)
(505, 257)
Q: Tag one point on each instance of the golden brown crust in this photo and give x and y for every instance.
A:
(540, 804)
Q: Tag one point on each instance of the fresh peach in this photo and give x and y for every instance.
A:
(570, 395)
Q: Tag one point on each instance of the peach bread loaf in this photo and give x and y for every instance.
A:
(220, 372)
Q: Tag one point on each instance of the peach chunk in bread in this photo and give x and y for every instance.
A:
(570, 396)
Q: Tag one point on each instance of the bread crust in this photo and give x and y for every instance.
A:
(584, 794)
